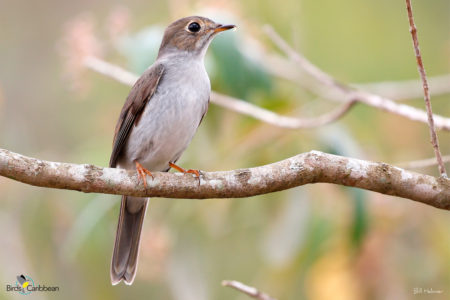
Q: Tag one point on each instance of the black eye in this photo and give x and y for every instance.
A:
(194, 27)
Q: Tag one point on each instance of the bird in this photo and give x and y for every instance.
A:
(158, 121)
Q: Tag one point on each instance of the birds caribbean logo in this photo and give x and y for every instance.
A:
(23, 282)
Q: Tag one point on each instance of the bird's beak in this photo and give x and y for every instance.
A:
(221, 28)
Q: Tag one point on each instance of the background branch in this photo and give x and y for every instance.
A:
(272, 118)
(423, 163)
(423, 77)
(408, 89)
(310, 167)
(248, 290)
(330, 88)
(393, 90)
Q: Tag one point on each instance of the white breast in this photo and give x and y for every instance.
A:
(170, 119)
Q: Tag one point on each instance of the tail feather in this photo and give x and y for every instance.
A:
(126, 248)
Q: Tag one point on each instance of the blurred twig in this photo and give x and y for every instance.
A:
(305, 168)
(110, 70)
(423, 163)
(228, 102)
(248, 290)
(270, 117)
(408, 89)
(423, 77)
(335, 90)
(394, 90)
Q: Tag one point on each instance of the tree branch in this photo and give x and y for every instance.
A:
(423, 77)
(408, 89)
(272, 118)
(330, 88)
(248, 290)
(394, 90)
(310, 167)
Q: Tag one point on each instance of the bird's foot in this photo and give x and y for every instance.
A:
(142, 172)
(190, 171)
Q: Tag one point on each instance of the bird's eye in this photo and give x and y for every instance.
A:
(194, 27)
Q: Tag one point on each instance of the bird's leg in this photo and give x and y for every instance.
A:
(191, 171)
(142, 172)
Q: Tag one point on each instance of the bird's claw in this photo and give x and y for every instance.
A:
(142, 172)
(196, 173)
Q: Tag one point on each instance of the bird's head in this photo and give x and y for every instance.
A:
(190, 34)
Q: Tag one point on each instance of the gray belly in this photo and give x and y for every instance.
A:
(166, 127)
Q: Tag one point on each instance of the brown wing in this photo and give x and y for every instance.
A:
(140, 94)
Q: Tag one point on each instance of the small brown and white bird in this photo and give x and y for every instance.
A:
(157, 122)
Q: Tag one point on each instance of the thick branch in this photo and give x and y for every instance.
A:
(311, 167)
(423, 77)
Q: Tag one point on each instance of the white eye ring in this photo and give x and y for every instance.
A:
(193, 27)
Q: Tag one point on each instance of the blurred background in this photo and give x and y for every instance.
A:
(313, 242)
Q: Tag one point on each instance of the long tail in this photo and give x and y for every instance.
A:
(126, 248)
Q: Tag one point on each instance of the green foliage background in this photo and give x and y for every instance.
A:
(313, 242)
